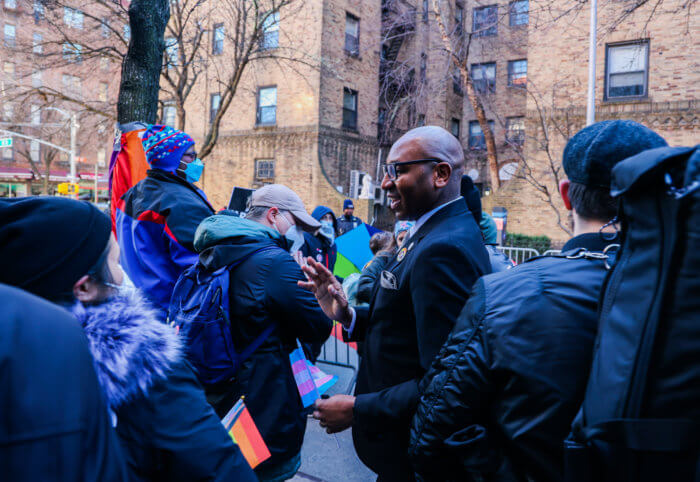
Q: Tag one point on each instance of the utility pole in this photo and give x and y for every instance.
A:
(95, 182)
(593, 34)
(73, 132)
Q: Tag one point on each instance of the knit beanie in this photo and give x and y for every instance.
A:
(591, 154)
(49, 243)
(165, 146)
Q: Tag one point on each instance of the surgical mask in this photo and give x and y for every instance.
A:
(294, 235)
(327, 230)
(126, 287)
(193, 170)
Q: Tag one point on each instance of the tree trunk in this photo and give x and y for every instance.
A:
(140, 82)
(478, 108)
(181, 114)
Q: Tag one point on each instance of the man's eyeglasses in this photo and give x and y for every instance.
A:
(193, 155)
(390, 169)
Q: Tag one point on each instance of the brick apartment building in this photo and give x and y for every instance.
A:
(46, 78)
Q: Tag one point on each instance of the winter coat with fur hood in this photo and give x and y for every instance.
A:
(167, 429)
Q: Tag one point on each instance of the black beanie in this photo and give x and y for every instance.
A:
(49, 243)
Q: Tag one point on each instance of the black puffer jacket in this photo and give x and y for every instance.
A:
(498, 400)
(263, 291)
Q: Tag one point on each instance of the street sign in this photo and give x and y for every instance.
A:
(6, 142)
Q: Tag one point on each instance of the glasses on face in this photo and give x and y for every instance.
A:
(390, 169)
(192, 155)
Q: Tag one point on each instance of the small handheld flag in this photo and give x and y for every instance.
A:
(240, 426)
(322, 380)
(302, 376)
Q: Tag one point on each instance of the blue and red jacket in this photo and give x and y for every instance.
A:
(155, 225)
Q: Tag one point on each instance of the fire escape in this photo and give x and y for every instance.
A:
(397, 83)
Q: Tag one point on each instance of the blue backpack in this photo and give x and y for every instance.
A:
(199, 310)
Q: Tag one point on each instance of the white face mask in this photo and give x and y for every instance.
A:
(327, 230)
(294, 235)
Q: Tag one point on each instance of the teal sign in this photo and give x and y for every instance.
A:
(6, 142)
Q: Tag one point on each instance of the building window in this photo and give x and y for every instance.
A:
(426, 9)
(349, 108)
(102, 92)
(169, 113)
(10, 35)
(381, 119)
(35, 114)
(457, 81)
(10, 4)
(421, 120)
(171, 52)
(8, 111)
(484, 77)
(104, 63)
(476, 136)
(485, 21)
(7, 153)
(34, 151)
(217, 44)
(73, 52)
(101, 157)
(423, 67)
(37, 40)
(264, 169)
(36, 79)
(214, 105)
(517, 73)
(72, 85)
(9, 69)
(270, 32)
(266, 113)
(515, 130)
(518, 12)
(73, 17)
(454, 127)
(38, 10)
(459, 19)
(627, 69)
(104, 27)
(352, 34)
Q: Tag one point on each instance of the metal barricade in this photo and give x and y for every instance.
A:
(519, 255)
(551, 251)
(337, 353)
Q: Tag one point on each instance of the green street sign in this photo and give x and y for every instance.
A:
(6, 142)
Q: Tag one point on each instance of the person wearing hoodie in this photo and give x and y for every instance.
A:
(321, 245)
(63, 251)
(263, 292)
(156, 219)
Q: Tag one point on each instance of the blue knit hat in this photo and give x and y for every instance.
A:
(591, 154)
(347, 204)
(164, 146)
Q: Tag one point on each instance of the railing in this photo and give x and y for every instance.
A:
(337, 353)
(519, 255)
(551, 251)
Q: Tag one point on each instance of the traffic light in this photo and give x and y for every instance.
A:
(68, 188)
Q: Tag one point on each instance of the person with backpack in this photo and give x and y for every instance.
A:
(498, 401)
(157, 218)
(62, 250)
(263, 313)
(640, 416)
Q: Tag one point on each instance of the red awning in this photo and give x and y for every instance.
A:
(15, 173)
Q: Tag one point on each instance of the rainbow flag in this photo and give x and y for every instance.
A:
(240, 426)
(127, 166)
(302, 376)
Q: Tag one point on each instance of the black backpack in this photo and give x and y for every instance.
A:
(640, 417)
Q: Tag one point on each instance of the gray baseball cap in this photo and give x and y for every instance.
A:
(284, 199)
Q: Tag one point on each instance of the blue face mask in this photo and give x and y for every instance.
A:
(193, 170)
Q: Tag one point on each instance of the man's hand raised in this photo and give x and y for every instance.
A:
(327, 290)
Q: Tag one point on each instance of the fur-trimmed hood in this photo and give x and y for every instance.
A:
(131, 348)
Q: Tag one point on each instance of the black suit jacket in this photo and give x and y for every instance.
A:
(408, 320)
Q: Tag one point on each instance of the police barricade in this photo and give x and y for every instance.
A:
(551, 252)
(340, 359)
(519, 255)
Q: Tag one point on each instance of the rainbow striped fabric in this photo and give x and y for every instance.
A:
(240, 426)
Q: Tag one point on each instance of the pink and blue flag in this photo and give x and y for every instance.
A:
(311, 381)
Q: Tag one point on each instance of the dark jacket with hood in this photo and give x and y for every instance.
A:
(167, 429)
(498, 400)
(54, 424)
(263, 291)
(155, 224)
(319, 247)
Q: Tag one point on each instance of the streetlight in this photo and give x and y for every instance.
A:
(73, 130)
